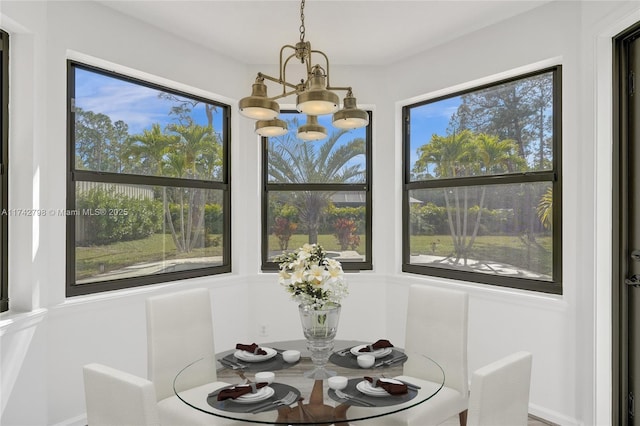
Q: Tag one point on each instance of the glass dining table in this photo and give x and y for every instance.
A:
(295, 399)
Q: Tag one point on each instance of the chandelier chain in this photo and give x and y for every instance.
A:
(302, 28)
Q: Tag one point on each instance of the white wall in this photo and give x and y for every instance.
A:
(42, 352)
(45, 338)
(504, 321)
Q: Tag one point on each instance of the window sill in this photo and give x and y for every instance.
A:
(11, 321)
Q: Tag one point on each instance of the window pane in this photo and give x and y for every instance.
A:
(507, 128)
(339, 158)
(124, 127)
(335, 220)
(167, 228)
(498, 229)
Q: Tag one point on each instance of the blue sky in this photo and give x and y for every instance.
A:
(140, 107)
(136, 105)
(429, 119)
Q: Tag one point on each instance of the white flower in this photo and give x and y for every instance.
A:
(284, 277)
(312, 278)
(334, 273)
(316, 273)
(332, 263)
(298, 275)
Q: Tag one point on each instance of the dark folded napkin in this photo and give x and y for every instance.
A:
(380, 344)
(253, 348)
(391, 387)
(239, 390)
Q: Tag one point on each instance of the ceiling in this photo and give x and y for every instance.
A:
(358, 32)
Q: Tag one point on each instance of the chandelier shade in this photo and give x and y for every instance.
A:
(312, 131)
(319, 102)
(314, 95)
(275, 127)
(350, 117)
(258, 106)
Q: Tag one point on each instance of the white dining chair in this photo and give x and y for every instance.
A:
(437, 322)
(500, 392)
(116, 398)
(179, 332)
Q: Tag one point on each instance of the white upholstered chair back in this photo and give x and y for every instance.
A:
(179, 332)
(500, 392)
(437, 327)
(116, 398)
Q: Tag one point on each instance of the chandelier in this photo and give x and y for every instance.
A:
(315, 96)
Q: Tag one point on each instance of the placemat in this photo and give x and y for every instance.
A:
(350, 361)
(377, 401)
(272, 364)
(230, 405)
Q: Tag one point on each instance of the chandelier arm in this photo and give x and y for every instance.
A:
(284, 95)
(279, 81)
(345, 89)
(307, 60)
(283, 72)
(287, 60)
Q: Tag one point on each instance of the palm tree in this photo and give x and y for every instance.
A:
(294, 161)
(460, 155)
(193, 140)
(189, 161)
(190, 151)
(545, 208)
(151, 147)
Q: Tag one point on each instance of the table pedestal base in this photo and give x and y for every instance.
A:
(315, 411)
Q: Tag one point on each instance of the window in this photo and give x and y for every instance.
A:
(148, 196)
(482, 193)
(318, 192)
(4, 184)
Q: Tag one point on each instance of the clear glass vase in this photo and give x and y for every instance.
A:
(320, 327)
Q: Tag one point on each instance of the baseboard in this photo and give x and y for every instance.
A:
(80, 420)
(552, 417)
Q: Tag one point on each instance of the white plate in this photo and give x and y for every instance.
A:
(249, 398)
(368, 389)
(249, 357)
(378, 353)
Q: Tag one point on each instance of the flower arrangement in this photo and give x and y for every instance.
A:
(312, 279)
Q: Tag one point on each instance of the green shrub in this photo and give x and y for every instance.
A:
(355, 214)
(106, 216)
(428, 219)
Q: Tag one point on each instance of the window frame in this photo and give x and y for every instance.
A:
(4, 172)
(553, 176)
(73, 176)
(338, 187)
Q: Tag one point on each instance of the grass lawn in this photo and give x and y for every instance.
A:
(327, 241)
(90, 261)
(511, 250)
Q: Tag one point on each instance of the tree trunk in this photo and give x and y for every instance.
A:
(169, 221)
(477, 226)
(198, 224)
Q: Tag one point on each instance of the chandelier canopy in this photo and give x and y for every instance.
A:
(315, 96)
